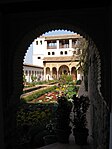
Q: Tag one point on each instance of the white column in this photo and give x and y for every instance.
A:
(57, 73)
(78, 75)
(36, 74)
(29, 75)
(70, 70)
(44, 73)
(51, 72)
(45, 42)
(41, 76)
(70, 43)
(57, 44)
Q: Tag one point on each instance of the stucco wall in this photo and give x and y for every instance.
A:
(99, 108)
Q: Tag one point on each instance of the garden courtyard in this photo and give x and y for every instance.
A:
(36, 115)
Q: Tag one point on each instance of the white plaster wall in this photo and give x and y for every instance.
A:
(37, 61)
(38, 51)
(57, 52)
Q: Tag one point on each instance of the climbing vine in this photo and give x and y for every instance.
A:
(83, 62)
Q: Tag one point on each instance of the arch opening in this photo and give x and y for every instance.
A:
(94, 65)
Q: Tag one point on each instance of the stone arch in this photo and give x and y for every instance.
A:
(26, 40)
(54, 72)
(95, 56)
(30, 36)
(48, 70)
(47, 73)
(63, 69)
(99, 107)
(74, 73)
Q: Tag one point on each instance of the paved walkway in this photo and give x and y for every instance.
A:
(71, 145)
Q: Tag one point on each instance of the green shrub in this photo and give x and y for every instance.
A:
(31, 123)
(38, 94)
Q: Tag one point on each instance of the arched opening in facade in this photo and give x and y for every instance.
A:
(74, 73)
(47, 73)
(63, 70)
(94, 75)
(54, 73)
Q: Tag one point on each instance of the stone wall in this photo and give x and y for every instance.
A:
(99, 108)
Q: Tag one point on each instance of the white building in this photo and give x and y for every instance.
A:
(54, 53)
(32, 70)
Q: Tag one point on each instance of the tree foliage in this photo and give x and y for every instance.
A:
(82, 44)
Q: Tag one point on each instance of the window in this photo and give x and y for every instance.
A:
(41, 42)
(64, 43)
(61, 53)
(53, 53)
(49, 53)
(52, 44)
(37, 42)
(65, 52)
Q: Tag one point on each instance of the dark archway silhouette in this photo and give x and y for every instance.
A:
(94, 56)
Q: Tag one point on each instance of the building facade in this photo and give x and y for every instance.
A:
(57, 54)
(32, 71)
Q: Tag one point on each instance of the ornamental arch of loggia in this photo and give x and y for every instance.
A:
(54, 71)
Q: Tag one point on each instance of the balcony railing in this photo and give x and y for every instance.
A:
(51, 47)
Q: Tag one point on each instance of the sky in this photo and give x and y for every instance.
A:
(57, 32)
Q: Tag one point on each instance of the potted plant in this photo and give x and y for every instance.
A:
(63, 128)
(50, 136)
(79, 121)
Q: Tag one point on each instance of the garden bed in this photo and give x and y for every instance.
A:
(50, 97)
(29, 97)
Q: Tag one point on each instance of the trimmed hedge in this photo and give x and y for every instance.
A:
(38, 93)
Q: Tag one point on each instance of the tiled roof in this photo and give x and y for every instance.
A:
(30, 65)
(66, 36)
(61, 58)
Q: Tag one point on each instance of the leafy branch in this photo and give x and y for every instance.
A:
(83, 63)
(82, 44)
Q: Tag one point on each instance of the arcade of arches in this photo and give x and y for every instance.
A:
(55, 70)
(21, 29)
